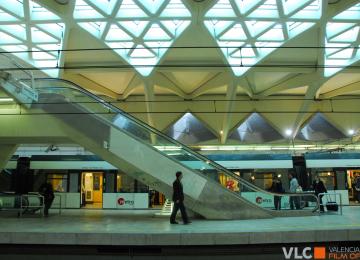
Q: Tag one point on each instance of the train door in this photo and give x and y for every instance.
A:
(352, 176)
(92, 189)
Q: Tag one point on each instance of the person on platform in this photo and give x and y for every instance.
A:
(319, 187)
(47, 191)
(294, 184)
(277, 187)
(178, 199)
(357, 187)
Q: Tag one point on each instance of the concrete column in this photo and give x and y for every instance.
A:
(6, 152)
(230, 96)
(149, 98)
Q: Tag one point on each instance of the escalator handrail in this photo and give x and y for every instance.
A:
(171, 140)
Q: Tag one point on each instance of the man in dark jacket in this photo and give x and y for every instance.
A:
(277, 188)
(47, 191)
(178, 199)
(319, 187)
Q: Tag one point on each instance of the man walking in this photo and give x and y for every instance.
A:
(178, 199)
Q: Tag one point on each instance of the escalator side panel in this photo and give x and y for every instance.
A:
(75, 116)
(154, 163)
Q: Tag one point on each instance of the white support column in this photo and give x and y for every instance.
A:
(66, 14)
(247, 86)
(313, 90)
(149, 98)
(6, 151)
(308, 99)
(149, 101)
(230, 97)
(134, 83)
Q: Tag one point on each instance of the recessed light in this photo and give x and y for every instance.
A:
(288, 132)
(6, 99)
(351, 131)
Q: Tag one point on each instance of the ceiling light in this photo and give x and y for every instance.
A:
(6, 100)
(351, 132)
(288, 132)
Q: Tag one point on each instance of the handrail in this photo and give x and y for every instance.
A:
(22, 68)
(22, 206)
(216, 166)
(327, 196)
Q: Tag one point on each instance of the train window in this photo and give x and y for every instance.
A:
(125, 183)
(58, 181)
(328, 178)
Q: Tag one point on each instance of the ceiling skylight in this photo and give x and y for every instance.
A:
(31, 27)
(255, 130)
(342, 41)
(189, 130)
(249, 30)
(140, 31)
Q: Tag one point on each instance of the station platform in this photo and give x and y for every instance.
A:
(140, 227)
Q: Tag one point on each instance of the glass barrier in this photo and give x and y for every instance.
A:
(61, 94)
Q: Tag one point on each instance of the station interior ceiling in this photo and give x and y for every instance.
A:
(208, 73)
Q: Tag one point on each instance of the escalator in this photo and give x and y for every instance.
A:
(151, 157)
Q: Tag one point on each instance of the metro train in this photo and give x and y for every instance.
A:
(89, 182)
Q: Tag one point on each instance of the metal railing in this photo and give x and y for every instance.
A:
(25, 203)
(330, 198)
(22, 70)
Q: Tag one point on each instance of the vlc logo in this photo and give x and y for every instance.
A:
(121, 201)
(259, 200)
(294, 252)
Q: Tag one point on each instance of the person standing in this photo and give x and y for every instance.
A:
(319, 187)
(277, 188)
(294, 200)
(178, 199)
(47, 191)
(357, 187)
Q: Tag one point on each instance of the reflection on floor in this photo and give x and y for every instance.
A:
(93, 206)
(140, 227)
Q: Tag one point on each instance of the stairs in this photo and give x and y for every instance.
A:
(166, 209)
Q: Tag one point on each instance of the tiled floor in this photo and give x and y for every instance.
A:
(139, 227)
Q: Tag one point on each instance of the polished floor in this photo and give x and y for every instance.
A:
(140, 227)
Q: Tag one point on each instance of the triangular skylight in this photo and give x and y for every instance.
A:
(261, 25)
(141, 31)
(32, 33)
(319, 129)
(189, 130)
(342, 41)
(255, 130)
